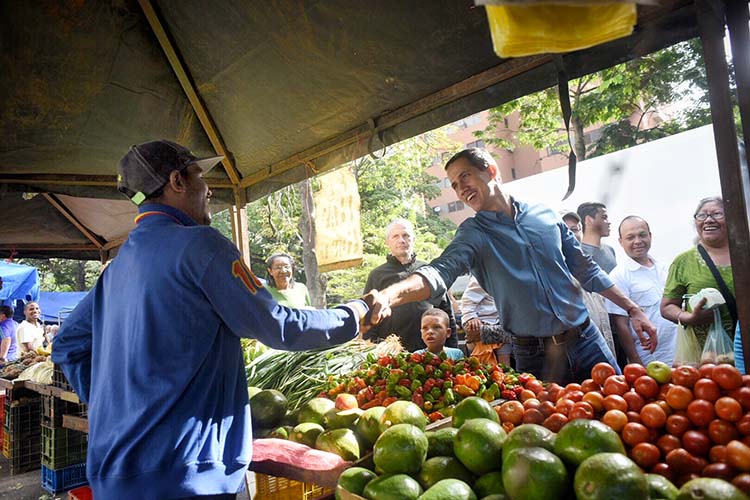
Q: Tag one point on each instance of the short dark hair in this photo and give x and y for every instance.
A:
(438, 313)
(478, 157)
(590, 208)
(632, 217)
(7, 311)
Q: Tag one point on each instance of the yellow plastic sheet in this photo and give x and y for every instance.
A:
(522, 30)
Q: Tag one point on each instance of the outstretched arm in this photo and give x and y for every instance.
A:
(412, 289)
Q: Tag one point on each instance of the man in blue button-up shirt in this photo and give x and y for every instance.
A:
(525, 257)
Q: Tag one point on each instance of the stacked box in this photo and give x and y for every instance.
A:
(53, 409)
(59, 480)
(59, 380)
(22, 430)
(281, 488)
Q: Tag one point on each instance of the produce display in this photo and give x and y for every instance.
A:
(11, 371)
(433, 383)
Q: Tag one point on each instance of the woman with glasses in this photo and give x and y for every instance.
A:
(691, 271)
(281, 284)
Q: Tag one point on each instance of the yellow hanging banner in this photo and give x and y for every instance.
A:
(338, 234)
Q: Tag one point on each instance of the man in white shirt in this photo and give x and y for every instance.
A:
(30, 333)
(642, 279)
(477, 308)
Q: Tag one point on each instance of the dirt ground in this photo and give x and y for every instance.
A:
(28, 486)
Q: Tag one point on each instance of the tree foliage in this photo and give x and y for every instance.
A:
(610, 97)
(65, 275)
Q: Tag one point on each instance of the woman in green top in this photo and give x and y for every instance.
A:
(689, 273)
(281, 284)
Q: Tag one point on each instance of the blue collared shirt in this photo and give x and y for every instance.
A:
(527, 263)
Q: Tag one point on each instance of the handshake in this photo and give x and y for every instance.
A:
(372, 308)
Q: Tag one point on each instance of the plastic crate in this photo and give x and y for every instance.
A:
(281, 488)
(23, 416)
(23, 453)
(59, 380)
(82, 493)
(56, 481)
(53, 409)
(2, 416)
(63, 447)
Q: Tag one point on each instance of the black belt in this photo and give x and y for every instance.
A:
(566, 336)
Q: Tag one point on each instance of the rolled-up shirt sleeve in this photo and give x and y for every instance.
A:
(582, 266)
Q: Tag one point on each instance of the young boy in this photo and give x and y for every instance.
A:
(435, 330)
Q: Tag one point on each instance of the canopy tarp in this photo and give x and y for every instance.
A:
(19, 282)
(284, 89)
(56, 305)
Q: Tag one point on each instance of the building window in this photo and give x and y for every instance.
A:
(472, 120)
(446, 183)
(505, 121)
(455, 206)
(513, 173)
(476, 144)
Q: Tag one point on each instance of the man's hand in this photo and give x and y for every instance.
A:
(380, 307)
(644, 329)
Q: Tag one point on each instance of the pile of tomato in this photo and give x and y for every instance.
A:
(692, 422)
(433, 382)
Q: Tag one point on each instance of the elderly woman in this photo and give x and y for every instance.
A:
(281, 283)
(690, 272)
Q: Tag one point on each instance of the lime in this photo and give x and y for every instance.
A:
(306, 433)
(438, 468)
(479, 445)
(449, 489)
(582, 438)
(534, 473)
(708, 488)
(472, 407)
(605, 476)
(400, 449)
(368, 425)
(354, 480)
(441, 442)
(489, 484)
(528, 435)
(402, 412)
(661, 487)
(342, 442)
(313, 410)
(393, 487)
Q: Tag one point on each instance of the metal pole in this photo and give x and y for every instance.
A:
(710, 16)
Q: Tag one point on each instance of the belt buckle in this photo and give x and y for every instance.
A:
(554, 338)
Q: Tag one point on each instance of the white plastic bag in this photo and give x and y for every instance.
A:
(718, 348)
(713, 297)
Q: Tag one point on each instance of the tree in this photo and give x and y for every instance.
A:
(65, 275)
(611, 97)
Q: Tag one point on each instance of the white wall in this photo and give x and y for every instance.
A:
(661, 181)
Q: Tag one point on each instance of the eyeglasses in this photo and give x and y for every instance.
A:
(715, 216)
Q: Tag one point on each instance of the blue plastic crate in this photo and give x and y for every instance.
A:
(59, 480)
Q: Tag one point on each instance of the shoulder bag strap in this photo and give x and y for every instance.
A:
(723, 288)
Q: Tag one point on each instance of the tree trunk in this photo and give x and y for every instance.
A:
(316, 283)
(80, 276)
(579, 142)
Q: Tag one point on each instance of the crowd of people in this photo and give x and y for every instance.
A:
(154, 348)
(29, 335)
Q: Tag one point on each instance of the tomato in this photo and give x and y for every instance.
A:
(554, 391)
(573, 386)
(717, 453)
(653, 416)
(727, 376)
(718, 470)
(635, 401)
(646, 387)
(634, 433)
(743, 425)
(697, 443)
(615, 402)
(547, 408)
(535, 386)
(633, 371)
(574, 396)
(701, 412)
(663, 470)
(543, 395)
(531, 403)
(706, 370)
(532, 416)
(601, 372)
(615, 419)
(664, 389)
(685, 375)
(738, 456)
(526, 395)
(677, 425)
(742, 481)
(746, 380)
(555, 422)
(645, 454)
(564, 406)
(721, 431)
(728, 409)
(707, 389)
(615, 384)
(634, 416)
(741, 394)
(682, 462)
(667, 443)
(589, 385)
(581, 410)
(595, 399)
(679, 397)
(511, 411)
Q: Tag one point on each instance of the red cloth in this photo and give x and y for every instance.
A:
(295, 454)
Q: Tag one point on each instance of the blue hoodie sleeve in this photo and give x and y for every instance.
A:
(248, 309)
(71, 347)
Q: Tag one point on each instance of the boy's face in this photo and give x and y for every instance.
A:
(435, 331)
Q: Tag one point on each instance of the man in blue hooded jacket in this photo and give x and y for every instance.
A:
(155, 350)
